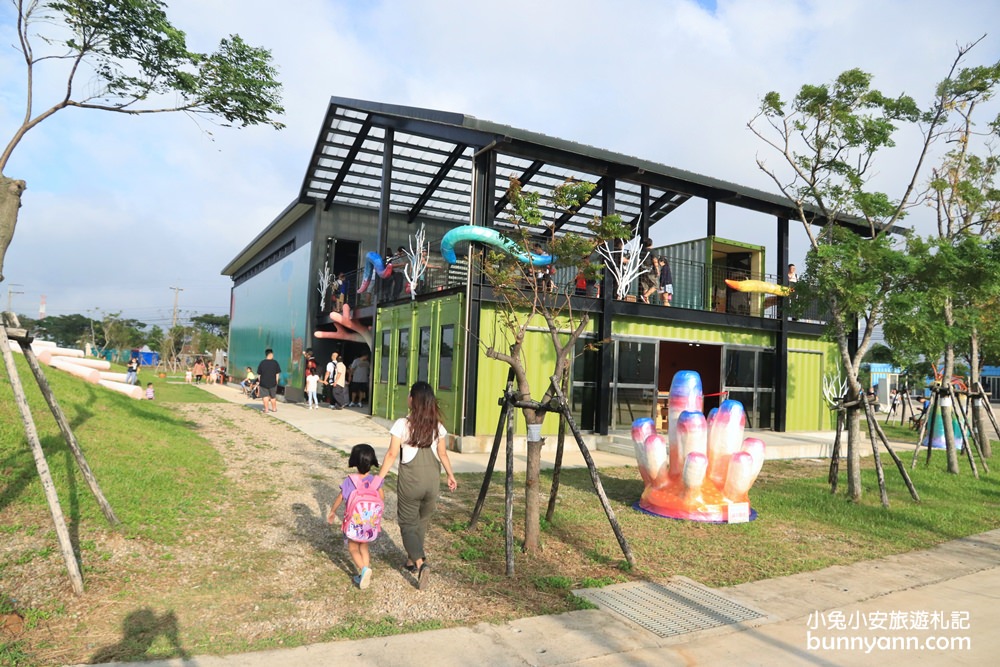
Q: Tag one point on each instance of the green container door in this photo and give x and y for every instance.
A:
(807, 411)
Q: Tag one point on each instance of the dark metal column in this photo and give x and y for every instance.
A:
(484, 180)
(781, 338)
(644, 211)
(710, 226)
(383, 208)
(606, 367)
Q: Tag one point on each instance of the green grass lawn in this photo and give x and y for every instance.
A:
(163, 480)
(154, 471)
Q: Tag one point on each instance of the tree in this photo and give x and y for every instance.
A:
(526, 301)
(63, 330)
(966, 197)
(154, 338)
(217, 325)
(118, 333)
(134, 61)
(829, 138)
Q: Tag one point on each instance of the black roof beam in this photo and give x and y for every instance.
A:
(568, 215)
(668, 201)
(435, 182)
(348, 160)
(525, 177)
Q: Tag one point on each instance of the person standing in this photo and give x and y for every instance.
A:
(793, 276)
(198, 370)
(131, 371)
(648, 273)
(312, 381)
(666, 282)
(339, 383)
(331, 368)
(310, 362)
(269, 373)
(418, 442)
(359, 373)
(399, 262)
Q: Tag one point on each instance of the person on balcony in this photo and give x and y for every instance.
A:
(648, 274)
(666, 282)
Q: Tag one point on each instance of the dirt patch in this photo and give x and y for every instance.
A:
(265, 571)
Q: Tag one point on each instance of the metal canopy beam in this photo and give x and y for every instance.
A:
(435, 182)
(436, 131)
(668, 201)
(525, 177)
(348, 159)
(568, 215)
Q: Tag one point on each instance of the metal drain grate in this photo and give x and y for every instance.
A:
(677, 608)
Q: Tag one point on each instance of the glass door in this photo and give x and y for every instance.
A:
(635, 381)
(748, 376)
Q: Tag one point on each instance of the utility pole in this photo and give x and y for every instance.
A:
(171, 361)
(177, 292)
(10, 295)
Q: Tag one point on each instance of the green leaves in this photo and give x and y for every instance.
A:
(141, 56)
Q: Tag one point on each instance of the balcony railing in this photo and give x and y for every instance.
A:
(696, 285)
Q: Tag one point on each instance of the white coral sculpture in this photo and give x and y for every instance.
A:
(324, 285)
(624, 264)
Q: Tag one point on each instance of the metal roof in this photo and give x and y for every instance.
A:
(432, 159)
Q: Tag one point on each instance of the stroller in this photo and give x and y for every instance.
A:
(251, 390)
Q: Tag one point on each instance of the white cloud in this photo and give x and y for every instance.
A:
(119, 209)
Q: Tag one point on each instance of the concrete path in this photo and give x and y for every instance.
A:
(939, 606)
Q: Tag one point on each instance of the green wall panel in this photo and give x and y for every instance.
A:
(809, 360)
(701, 333)
(492, 376)
(390, 398)
(269, 311)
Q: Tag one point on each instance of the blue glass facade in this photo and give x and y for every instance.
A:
(270, 311)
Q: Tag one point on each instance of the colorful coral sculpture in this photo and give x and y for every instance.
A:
(703, 471)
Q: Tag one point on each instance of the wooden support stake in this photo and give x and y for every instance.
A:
(508, 509)
(557, 467)
(880, 473)
(970, 441)
(899, 463)
(835, 455)
(594, 477)
(989, 412)
(65, 545)
(67, 433)
(504, 408)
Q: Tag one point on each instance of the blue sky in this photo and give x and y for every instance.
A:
(119, 209)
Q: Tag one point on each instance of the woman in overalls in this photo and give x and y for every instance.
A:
(418, 441)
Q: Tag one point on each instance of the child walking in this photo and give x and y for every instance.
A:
(363, 511)
(312, 380)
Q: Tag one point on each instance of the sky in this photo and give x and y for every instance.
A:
(121, 210)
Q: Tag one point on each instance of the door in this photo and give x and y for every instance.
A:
(806, 410)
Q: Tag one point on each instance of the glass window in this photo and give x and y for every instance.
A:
(384, 363)
(740, 368)
(424, 354)
(633, 403)
(403, 357)
(447, 356)
(636, 362)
